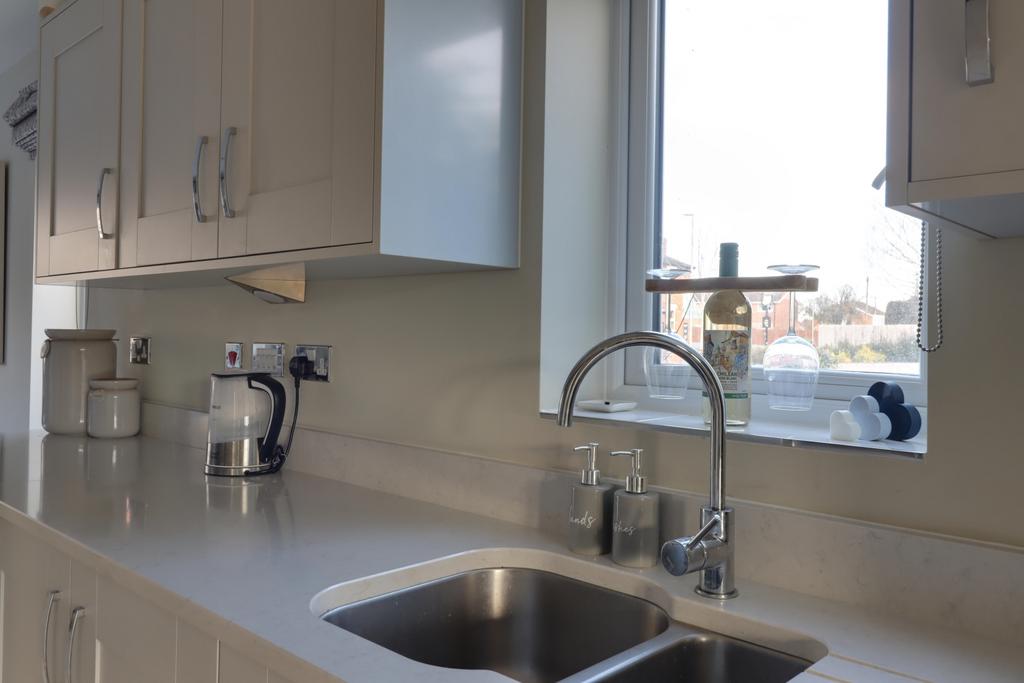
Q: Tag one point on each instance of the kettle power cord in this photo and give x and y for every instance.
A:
(299, 368)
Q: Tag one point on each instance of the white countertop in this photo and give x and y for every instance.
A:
(257, 552)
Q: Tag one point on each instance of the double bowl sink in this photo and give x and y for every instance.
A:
(537, 626)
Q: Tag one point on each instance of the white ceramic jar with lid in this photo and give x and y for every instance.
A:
(114, 408)
(70, 359)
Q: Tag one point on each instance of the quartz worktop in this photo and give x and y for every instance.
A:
(257, 552)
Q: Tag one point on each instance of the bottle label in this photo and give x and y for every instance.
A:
(621, 527)
(728, 352)
(583, 519)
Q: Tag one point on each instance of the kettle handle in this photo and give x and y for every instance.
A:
(277, 400)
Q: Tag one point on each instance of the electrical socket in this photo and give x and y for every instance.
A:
(139, 350)
(233, 356)
(268, 358)
(321, 357)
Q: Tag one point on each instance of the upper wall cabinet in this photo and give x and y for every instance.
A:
(297, 109)
(79, 88)
(956, 154)
(364, 137)
(170, 122)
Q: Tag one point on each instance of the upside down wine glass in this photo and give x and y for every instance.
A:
(667, 377)
(791, 362)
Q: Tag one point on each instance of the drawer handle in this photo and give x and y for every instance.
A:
(76, 614)
(53, 599)
(225, 148)
(977, 43)
(196, 161)
(104, 172)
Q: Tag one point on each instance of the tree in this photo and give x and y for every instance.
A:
(835, 310)
(901, 312)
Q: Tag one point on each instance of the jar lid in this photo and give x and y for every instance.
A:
(80, 335)
(114, 383)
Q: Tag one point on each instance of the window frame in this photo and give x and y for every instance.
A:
(640, 129)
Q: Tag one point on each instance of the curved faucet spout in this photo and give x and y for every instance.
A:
(676, 346)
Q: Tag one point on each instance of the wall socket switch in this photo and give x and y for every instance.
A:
(233, 356)
(321, 357)
(268, 358)
(139, 350)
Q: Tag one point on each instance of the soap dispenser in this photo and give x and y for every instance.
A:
(635, 532)
(590, 510)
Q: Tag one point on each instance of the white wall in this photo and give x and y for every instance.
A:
(452, 362)
(21, 183)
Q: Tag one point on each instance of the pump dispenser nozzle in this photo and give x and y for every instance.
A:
(636, 482)
(590, 476)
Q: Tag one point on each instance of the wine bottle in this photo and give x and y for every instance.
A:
(727, 341)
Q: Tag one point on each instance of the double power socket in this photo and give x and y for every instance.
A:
(272, 358)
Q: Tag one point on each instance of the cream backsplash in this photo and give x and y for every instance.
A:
(451, 362)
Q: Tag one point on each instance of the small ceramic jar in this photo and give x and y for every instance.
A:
(114, 407)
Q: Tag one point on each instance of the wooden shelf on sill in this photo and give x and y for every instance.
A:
(769, 283)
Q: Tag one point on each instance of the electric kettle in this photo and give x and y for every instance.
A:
(246, 414)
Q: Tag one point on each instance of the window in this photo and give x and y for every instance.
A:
(765, 124)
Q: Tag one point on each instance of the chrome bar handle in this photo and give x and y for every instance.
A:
(225, 147)
(53, 599)
(977, 43)
(197, 206)
(76, 614)
(104, 172)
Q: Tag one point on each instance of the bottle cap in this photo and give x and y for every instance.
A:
(728, 259)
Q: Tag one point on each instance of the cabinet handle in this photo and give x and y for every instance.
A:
(225, 147)
(53, 599)
(104, 172)
(76, 614)
(196, 161)
(977, 43)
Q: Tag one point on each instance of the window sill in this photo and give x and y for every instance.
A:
(800, 430)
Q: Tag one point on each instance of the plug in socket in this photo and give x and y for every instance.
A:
(321, 357)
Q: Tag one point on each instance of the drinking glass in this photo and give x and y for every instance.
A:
(791, 362)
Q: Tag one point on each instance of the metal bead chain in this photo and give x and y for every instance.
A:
(938, 289)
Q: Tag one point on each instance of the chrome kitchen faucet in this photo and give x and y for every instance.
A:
(710, 550)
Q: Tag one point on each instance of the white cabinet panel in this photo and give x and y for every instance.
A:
(134, 637)
(237, 668)
(79, 87)
(959, 130)
(32, 570)
(83, 597)
(196, 657)
(299, 86)
(171, 98)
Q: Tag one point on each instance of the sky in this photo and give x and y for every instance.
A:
(774, 128)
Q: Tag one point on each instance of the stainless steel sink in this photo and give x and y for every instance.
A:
(534, 626)
(529, 625)
(692, 656)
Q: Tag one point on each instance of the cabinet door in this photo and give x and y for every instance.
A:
(196, 657)
(79, 647)
(135, 639)
(299, 89)
(170, 103)
(79, 86)
(32, 571)
(237, 668)
(959, 130)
